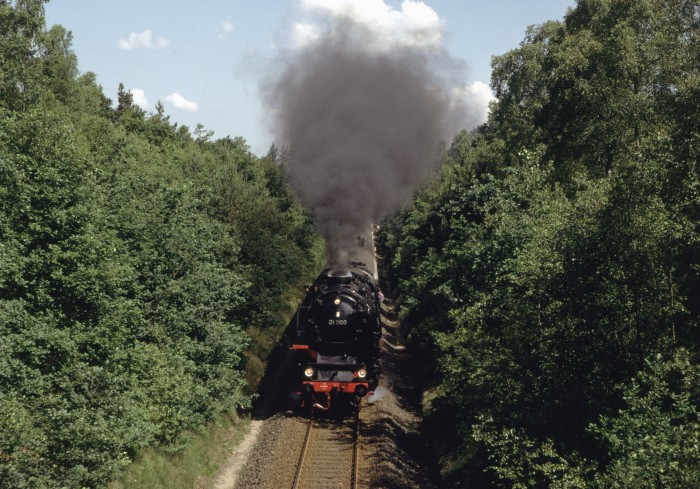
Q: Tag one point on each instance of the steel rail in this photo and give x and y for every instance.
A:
(302, 455)
(356, 451)
(306, 462)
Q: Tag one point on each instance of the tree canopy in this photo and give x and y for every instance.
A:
(135, 257)
(550, 276)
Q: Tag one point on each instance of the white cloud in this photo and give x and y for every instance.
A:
(476, 98)
(227, 26)
(305, 33)
(140, 99)
(414, 24)
(143, 40)
(180, 102)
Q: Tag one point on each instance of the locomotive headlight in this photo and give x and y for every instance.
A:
(362, 373)
(309, 372)
(337, 301)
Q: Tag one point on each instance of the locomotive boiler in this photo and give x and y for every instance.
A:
(337, 333)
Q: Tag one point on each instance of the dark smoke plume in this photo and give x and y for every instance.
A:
(363, 127)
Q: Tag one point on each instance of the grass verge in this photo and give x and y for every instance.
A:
(194, 466)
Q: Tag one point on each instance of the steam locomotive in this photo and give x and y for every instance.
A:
(336, 334)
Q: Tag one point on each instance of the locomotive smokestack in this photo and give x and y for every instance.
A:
(363, 109)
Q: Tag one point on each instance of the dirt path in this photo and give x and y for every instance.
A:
(226, 479)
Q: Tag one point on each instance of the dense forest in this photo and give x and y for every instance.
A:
(551, 275)
(141, 267)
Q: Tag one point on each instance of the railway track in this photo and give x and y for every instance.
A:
(329, 456)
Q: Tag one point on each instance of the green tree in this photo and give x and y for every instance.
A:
(126, 274)
(558, 251)
(21, 22)
(654, 441)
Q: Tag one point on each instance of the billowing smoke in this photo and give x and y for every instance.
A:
(362, 102)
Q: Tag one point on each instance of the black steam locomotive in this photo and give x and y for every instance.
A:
(337, 335)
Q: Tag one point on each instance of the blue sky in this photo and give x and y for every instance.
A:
(204, 60)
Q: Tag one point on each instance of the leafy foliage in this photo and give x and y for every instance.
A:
(128, 273)
(654, 441)
(550, 276)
